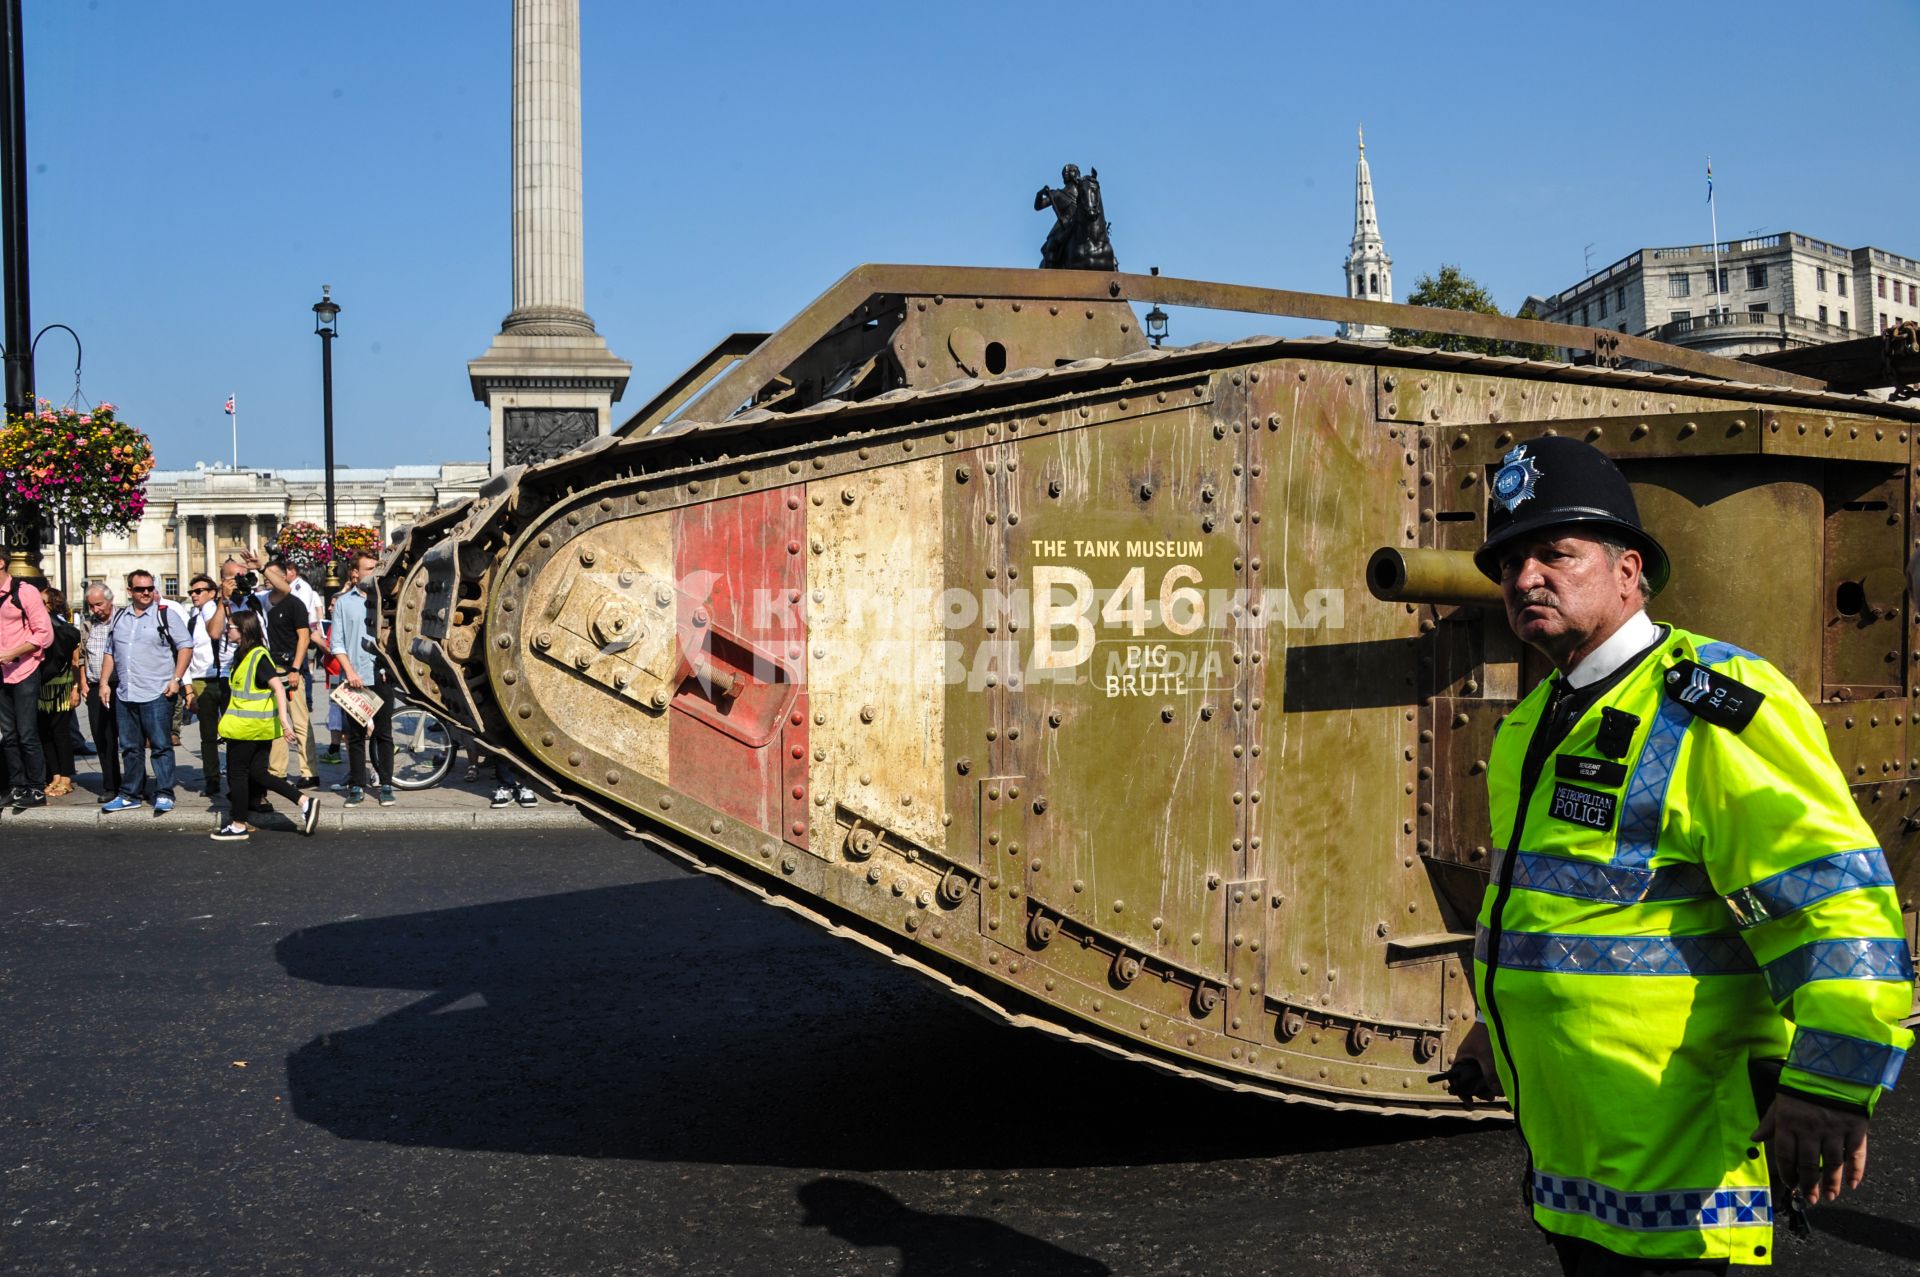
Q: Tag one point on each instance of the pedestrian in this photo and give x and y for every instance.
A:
(25, 634)
(59, 694)
(288, 633)
(96, 624)
(359, 670)
(298, 586)
(147, 653)
(1669, 810)
(257, 712)
(207, 674)
(508, 787)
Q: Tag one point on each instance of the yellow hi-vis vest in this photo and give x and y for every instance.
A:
(1677, 894)
(250, 715)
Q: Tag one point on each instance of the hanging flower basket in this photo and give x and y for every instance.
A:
(87, 469)
(306, 543)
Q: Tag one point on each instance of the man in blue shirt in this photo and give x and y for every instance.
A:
(359, 670)
(148, 649)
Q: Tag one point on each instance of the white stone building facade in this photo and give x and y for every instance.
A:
(195, 518)
(1775, 291)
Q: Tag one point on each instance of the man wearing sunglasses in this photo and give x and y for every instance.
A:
(207, 674)
(148, 650)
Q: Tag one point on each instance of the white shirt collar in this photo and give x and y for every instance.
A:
(1634, 636)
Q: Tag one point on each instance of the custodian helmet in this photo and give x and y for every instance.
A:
(1554, 482)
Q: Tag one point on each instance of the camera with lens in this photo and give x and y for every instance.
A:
(244, 584)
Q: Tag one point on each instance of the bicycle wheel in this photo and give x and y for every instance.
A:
(423, 748)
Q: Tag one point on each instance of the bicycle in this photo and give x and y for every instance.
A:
(423, 747)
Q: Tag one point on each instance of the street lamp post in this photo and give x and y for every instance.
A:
(326, 317)
(1156, 322)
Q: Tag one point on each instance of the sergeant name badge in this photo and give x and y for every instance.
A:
(1594, 771)
(1582, 807)
(1722, 701)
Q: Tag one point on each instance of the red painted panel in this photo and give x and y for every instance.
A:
(740, 569)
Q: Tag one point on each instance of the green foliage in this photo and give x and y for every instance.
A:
(1453, 289)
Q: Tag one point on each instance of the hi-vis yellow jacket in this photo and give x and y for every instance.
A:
(250, 714)
(1680, 892)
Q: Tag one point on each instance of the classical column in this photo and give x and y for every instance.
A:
(213, 547)
(549, 273)
(253, 533)
(548, 379)
(182, 534)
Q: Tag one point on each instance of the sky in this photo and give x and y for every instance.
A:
(198, 171)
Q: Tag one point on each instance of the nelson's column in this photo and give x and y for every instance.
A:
(548, 379)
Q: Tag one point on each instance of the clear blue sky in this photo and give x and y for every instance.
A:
(199, 170)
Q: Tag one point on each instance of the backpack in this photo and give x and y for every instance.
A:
(66, 641)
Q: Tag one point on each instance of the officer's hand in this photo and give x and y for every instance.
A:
(1472, 1075)
(1814, 1146)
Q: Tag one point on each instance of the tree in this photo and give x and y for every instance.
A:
(1453, 289)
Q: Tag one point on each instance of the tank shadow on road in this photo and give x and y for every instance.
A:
(676, 1021)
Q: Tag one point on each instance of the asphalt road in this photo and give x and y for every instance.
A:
(555, 1053)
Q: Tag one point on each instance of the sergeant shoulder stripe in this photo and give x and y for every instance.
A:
(1619, 955)
(1595, 880)
(1850, 1059)
(1838, 960)
(1658, 1211)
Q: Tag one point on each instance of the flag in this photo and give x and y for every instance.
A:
(229, 405)
(1709, 191)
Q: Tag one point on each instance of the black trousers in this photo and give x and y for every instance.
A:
(209, 702)
(56, 738)
(104, 724)
(1581, 1258)
(20, 733)
(247, 778)
(382, 734)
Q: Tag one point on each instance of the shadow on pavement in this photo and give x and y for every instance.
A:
(932, 1245)
(675, 1021)
(1888, 1236)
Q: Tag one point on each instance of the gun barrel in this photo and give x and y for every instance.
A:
(1429, 576)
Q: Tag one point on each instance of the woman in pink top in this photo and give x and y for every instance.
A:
(25, 633)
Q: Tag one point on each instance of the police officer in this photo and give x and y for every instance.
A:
(1690, 955)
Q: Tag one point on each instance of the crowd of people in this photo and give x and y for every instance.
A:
(239, 660)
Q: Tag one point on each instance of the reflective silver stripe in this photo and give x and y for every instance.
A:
(1847, 1058)
(253, 713)
(1838, 960)
(1794, 889)
(1598, 880)
(1558, 953)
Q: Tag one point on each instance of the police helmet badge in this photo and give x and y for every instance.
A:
(1513, 482)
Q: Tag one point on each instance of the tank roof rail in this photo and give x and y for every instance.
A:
(722, 393)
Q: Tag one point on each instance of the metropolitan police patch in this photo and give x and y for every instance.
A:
(1583, 807)
(1513, 482)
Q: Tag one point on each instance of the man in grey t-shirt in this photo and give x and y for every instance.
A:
(148, 649)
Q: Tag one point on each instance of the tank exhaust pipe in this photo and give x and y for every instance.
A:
(1446, 577)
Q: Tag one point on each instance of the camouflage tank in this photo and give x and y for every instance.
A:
(957, 619)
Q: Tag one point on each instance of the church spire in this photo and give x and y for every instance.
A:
(1369, 269)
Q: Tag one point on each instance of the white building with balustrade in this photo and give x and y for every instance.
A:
(195, 518)
(1770, 293)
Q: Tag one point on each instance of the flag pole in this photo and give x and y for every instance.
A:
(1713, 213)
(233, 418)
